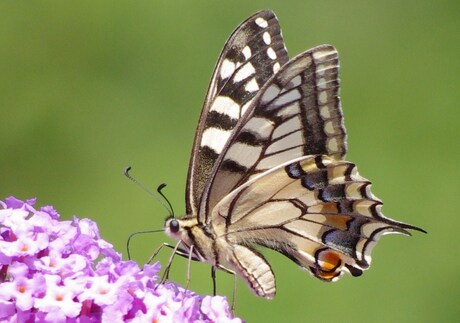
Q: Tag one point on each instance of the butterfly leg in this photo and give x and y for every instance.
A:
(189, 258)
(181, 252)
(232, 309)
(214, 284)
(157, 251)
(170, 260)
(213, 277)
(176, 251)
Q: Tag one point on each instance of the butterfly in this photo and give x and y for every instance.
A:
(267, 167)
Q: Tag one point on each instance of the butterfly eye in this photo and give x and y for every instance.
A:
(174, 226)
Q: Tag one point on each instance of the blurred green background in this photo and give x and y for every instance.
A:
(89, 87)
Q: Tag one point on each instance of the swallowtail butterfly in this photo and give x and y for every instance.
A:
(267, 166)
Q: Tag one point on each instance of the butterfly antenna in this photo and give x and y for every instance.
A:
(169, 209)
(160, 187)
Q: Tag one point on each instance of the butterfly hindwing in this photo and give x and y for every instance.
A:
(252, 54)
(296, 113)
(316, 210)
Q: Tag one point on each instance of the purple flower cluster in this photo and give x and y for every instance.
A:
(62, 271)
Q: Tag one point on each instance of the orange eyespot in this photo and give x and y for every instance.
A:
(328, 265)
(328, 260)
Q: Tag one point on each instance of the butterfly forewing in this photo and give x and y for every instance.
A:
(296, 113)
(253, 53)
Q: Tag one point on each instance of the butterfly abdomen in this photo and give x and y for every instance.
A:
(248, 264)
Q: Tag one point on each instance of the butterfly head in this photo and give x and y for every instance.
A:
(172, 226)
(178, 228)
